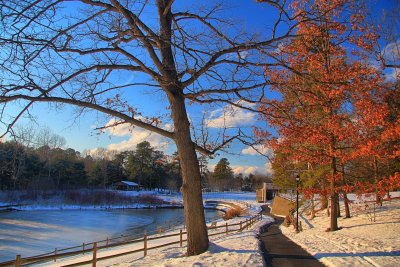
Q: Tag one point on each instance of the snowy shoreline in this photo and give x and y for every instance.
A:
(169, 201)
(77, 207)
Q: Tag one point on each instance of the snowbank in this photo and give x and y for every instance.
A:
(361, 241)
(57, 200)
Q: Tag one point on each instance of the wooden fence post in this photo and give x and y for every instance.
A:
(94, 261)
(145, 244)
(226, 226)
(107, 241)
(17, 261)
(83, 248)
(180, 237)
(55, 254)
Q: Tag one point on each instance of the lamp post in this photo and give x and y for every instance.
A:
(297, 203)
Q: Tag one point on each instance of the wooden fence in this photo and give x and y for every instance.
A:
(95, 247)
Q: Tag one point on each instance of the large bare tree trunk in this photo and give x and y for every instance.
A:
(197, 237)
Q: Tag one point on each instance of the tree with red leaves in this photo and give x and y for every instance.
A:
(325, 89)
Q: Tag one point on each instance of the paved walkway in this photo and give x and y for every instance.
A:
(280, 251)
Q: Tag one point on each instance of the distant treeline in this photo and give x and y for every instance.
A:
(47, 167)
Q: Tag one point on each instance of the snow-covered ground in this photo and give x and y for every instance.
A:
(238, 249)
(361, 241)
(249, 197)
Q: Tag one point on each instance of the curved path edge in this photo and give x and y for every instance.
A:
(279, 250)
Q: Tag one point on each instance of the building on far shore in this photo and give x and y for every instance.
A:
(127, 186)
(267, 192)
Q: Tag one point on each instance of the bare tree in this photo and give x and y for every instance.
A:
(389, 25)
(69, 52)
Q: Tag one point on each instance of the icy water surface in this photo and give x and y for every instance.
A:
(35, 232)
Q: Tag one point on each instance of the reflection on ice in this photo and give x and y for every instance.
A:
(29, 224)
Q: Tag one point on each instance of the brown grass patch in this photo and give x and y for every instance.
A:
(233, 212)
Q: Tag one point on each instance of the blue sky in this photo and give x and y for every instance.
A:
(79, 130)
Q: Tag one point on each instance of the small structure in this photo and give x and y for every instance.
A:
(282, 206)
(267, 192)
(127, 186)
(261, 194)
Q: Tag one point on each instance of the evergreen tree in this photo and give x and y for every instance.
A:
(223, 174)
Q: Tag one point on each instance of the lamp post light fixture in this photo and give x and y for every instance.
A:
(297, 203)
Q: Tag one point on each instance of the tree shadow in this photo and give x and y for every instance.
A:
(367, 224)
(214, 248)
(395, 253)
(309, 224)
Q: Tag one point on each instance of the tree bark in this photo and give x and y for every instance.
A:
(346, 206)
(312, 207)
(338, 207)
(345, 199)
(378, 199)
(334, 197)
(197, 236)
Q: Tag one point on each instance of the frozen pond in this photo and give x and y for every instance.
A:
(34, 232)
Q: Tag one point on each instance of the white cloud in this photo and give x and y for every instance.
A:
(246, 169)
(266, 169)
(280, 48)
(119, 130)
(263, 149)
(237, 55)
(393, 75)
(230, 116)
(391, 52)
(243, 54)
(240, 169)
(136, 135)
